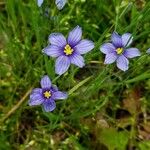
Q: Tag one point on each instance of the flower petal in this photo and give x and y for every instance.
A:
(57, 39)
(40, 2)
(49, 105)
(62, 64)
(122, 63)
(127, 39)
(52, 50)
(148, 51)
(77, 60)
(60, 3)
(35, 99)
(54, 88)
(107, 48)
(132, 52)
(84, 46)
(37, 90)
(116, 39)
(46, 82)
(75, 36)
(110, 58)
(59, 95)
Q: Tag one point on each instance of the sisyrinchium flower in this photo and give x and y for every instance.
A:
(46, 95)
(148, 51)
(40, 2)
(118, 50)
(68, 51)
(59, 3)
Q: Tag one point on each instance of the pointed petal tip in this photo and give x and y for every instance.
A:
(53, 51)
(60, 95)
(74, 36)
(127, 39)
(116, 39)
(115, 33)
(60, 4)
(77, 26)
(57, 39)
(43, 50)
(45, 82)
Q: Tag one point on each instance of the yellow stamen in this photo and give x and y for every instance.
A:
(47, 94)
(68, 50)
(119, 51)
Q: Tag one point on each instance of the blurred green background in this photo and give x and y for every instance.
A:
(107, 109)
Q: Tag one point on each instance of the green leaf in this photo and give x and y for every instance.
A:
(145, 145)
(143, 76)
(114, 139)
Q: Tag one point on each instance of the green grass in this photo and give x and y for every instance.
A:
(106, 108)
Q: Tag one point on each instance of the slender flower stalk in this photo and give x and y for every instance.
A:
(118, 50)
(46, 95)
(68, 51)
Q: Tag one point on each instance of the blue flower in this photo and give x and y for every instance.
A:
(40, 2)
(68, 51)
(59, 3)
(46, 95)
(117, 50)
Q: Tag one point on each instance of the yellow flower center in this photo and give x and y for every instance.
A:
(47, 94)
(119, 51)
(68, 50)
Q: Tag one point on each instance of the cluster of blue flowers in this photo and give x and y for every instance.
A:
(69, 51)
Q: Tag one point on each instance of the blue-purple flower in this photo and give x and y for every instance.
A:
(46, 95)
(148, 51)
(118, 50)
(68, 51)
(59, 3)
(40, 2)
